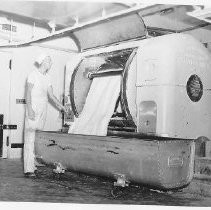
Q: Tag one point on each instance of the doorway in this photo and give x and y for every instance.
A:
(5, 87)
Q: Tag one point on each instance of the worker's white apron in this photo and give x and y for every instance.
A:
(40, 109)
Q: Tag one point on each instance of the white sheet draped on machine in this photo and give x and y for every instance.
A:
(99, 107)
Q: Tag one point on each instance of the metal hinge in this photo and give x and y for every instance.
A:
(8, 127)
(10, 64)
(8, 141)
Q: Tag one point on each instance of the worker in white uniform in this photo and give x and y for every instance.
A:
(39, 88)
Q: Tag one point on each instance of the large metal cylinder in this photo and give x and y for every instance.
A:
(164, 81)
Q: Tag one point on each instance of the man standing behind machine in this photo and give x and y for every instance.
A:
(38, 90)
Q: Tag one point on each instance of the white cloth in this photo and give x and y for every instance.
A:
(39, 106)
(99, 107)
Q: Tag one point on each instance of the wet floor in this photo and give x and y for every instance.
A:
(83, 189)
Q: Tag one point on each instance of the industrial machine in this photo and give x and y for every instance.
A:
(163, 107)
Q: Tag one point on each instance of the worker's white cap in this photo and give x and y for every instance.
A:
(41, 58)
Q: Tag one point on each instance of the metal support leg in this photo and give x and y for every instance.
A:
(60, 169)
(121, 181)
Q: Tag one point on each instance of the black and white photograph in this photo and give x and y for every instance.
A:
(105, 104)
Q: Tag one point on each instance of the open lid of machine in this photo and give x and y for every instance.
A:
(110, 31)
(103, 31)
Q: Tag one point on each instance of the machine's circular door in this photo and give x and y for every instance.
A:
(80, 83)
(128, 88)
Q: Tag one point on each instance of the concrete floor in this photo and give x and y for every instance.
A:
(83, 189)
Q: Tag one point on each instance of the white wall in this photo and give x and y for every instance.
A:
(22, 64)
(24, 31)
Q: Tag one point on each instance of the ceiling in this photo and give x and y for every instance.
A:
(63, 13)
(161, 18)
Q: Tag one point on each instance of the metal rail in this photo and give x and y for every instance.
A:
(104, 73)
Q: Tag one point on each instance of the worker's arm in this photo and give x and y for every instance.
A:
(55, 100)
(31, 113)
